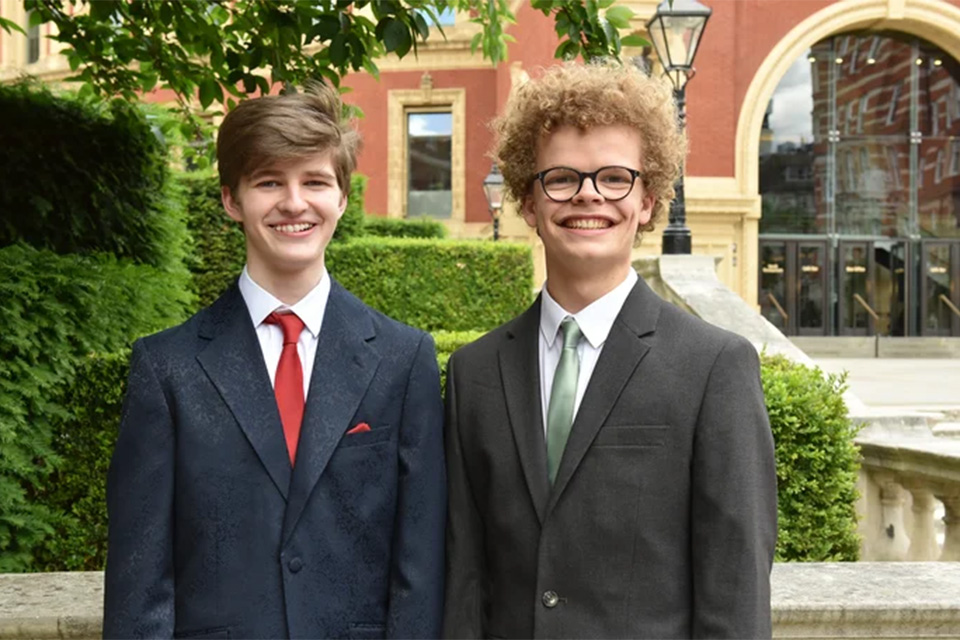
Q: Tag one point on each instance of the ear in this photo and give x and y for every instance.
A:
(230, 204)
(343, 202)
(646, 208)
(529, 212)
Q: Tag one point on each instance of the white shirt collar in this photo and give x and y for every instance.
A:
(595, 320)
(261, 303)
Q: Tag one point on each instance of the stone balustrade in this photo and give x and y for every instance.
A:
(908, 474)
(809, 600)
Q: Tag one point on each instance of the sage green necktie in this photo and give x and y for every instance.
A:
(562, 396)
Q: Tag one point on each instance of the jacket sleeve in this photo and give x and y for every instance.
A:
(139, 580)
(464, 600)
(734, 501)
(416, 578)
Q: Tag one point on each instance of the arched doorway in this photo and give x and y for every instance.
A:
(859, 173)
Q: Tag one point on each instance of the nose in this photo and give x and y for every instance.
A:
(292, 203)
(588, 191)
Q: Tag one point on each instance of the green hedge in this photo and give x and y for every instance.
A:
(437, 284)
(56, 309)
(816, 460)
(403, 228)
(85, 176)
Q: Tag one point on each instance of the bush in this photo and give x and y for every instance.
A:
(404, 228)
(76, 493)
(83, 177)
(56, 309)
(817, 462)
(437, 284)
(219, 251)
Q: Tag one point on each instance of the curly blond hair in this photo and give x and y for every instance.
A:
(584, 96)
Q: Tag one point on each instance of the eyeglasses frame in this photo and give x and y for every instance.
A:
(583, 175)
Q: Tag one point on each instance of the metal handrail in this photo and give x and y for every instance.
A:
(783, 314)
(945, 300)
(868, 308)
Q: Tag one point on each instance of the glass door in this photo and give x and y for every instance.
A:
(940, 289)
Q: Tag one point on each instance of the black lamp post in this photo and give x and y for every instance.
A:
(676, 29)
(493, 190)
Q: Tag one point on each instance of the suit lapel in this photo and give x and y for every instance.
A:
(234, 363)
(519, 370)
(342, 370)
(622, 353)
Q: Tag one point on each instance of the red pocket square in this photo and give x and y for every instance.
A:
(363, 427)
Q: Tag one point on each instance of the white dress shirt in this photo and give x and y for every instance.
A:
(595, 321)
(261, 303)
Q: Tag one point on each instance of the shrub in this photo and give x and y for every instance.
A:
(817, 462)
(404, 228)
(437, 284)
(76, 492)
(816, 459)
(219, 253)
(85, 176)
(56, 309)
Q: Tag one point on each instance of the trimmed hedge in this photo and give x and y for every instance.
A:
(84, 177)
(403, 228)
(437, 284)
(816, 460)
(56, 309)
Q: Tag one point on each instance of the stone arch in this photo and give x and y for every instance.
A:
(933, 20)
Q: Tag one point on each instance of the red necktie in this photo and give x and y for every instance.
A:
(288, 385)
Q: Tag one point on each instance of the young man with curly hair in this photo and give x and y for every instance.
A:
(610, 462)
(279, 469)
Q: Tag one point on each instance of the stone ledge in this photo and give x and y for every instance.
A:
(809, 600)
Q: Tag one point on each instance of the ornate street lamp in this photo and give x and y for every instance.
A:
(676, 29)
(493, 190)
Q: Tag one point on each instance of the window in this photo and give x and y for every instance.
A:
(426, 163)
(33, 41)
(938, 168)
(853, 56)
(848, 118)
(874, 47)
(446, 18)
(955, 158)
(862, 111)
(893, 159)
(934, 119)
(894, 99)
(851, 172)
(429, 164)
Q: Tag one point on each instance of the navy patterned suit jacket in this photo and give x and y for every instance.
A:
(212, 534)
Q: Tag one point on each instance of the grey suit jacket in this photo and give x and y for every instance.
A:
(662, 521)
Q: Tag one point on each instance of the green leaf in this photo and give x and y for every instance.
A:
(396, 37)
(9, 26)
(36, 19)
(619, 16)
(209, 91)
(634, 40)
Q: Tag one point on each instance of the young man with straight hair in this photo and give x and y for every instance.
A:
(610, 462)
(279, 468)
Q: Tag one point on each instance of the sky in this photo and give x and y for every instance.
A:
(792, 104)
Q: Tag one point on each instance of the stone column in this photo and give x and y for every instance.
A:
(923, 537)
(951, 539)
(892, 541)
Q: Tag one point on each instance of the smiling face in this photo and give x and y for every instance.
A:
(289, 211)
(589, 236)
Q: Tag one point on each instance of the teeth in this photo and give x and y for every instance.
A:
(293, 228)
(587, 223)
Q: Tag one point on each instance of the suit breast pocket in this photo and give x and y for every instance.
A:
(376, 435)
(642, 435)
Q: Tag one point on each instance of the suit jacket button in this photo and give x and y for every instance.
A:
(550, 599)
(295, 565)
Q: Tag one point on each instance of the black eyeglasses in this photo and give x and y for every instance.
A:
(561, 184)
